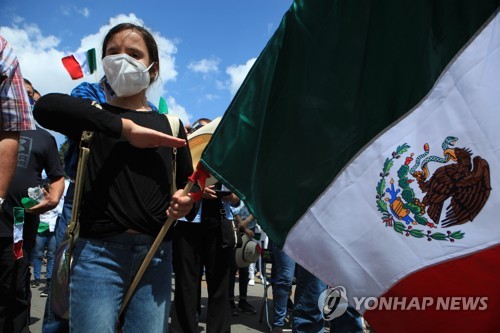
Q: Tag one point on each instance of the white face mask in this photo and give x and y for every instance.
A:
(126, 75)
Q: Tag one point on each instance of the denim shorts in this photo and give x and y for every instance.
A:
(103, 270)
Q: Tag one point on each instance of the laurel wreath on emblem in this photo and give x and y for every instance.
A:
(402, 210)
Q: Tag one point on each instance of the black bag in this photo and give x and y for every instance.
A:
(230, 235)
(59, 289)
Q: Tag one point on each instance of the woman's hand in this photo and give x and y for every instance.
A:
(180, 205)
(142, 137)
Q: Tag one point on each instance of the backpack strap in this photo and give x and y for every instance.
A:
(175, 124)
(80, 176)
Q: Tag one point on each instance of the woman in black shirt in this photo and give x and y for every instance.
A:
(126, 195)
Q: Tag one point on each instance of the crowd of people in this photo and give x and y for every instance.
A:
(126, 199)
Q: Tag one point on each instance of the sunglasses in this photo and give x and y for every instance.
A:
(196, 125)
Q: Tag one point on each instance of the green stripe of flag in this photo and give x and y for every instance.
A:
(334, 75)
(91, 60)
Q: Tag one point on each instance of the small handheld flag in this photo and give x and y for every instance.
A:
(80, 64)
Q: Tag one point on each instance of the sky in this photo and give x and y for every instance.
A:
(206, 47)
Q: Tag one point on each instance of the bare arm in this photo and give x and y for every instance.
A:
(9, 143)
(242, 226)
(249, 219)
(240, 221)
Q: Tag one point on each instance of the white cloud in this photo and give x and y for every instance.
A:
(237, 74)
(70, 9)
(40, 59)
(178, 110)
(66, 10)
(270, 29)
(17, 19)
(85, 12)
(212, 97)
(38, 56)
(205, 66)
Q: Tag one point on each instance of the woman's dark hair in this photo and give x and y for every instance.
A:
(148, 39)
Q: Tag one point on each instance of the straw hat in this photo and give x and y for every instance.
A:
(248, 253)
(198, 140)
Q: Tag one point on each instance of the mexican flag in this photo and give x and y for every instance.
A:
(365, 140)
(17, 246)
(80, 64)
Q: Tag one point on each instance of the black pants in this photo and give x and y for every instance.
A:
(242, 278)
(196, 245)
(15, 293)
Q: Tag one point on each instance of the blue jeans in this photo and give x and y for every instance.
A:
(307, 316)
(45, 239)
(349, 322)
(283, 271)
(103, 270)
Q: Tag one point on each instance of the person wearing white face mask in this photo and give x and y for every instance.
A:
(125, 75)
(126, 196)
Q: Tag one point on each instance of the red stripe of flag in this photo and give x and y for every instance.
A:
(456, 283)
(73, 67)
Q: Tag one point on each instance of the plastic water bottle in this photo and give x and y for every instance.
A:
(35, 195)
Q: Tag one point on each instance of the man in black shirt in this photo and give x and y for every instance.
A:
(37, 152)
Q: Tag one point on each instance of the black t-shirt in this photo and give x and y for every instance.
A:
(125, 187)
(37, 152)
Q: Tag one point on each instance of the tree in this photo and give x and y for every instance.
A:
(62, 152)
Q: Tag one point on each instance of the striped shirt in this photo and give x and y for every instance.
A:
(15, 109)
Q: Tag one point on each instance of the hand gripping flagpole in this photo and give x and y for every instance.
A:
(200, 175)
